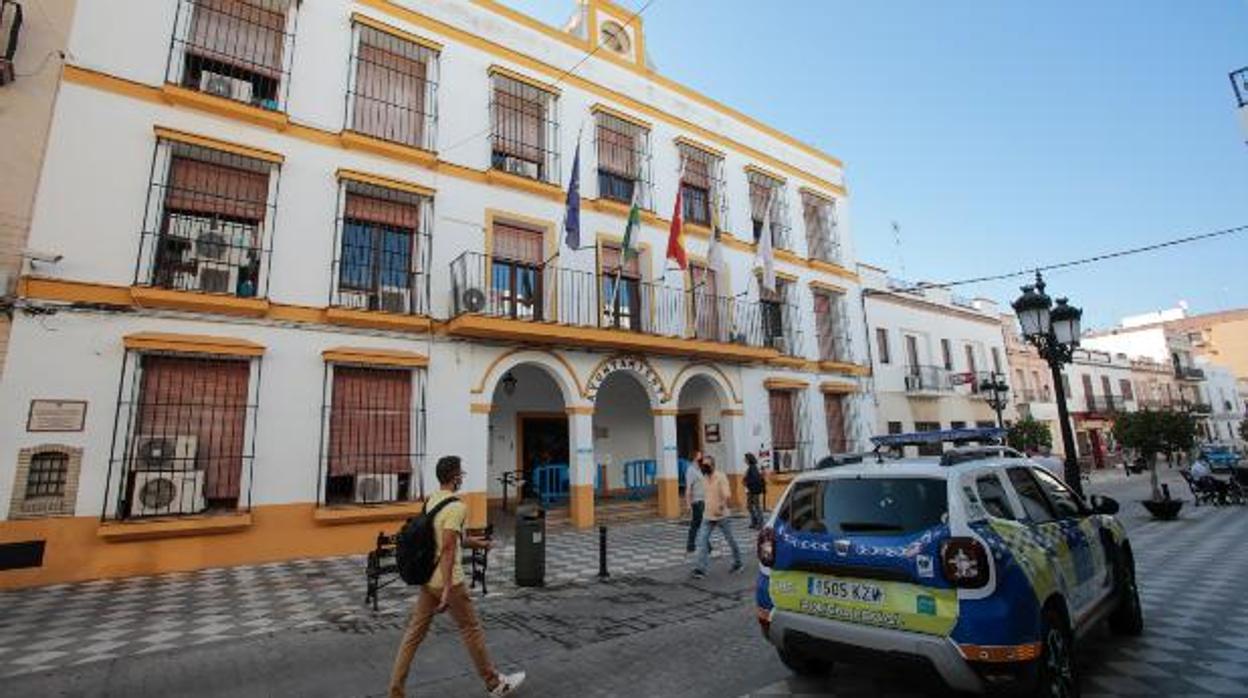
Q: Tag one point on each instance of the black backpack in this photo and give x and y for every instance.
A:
(416, 548)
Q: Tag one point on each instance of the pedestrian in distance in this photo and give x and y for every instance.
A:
(755, 488)
(695, 500)
(445, 590)
(715, 518)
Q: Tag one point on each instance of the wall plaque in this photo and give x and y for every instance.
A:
(57, 415)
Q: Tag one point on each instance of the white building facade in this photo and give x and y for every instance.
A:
(931, 354)
(1225, 408)
(310, 248)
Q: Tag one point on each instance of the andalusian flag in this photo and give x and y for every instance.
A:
(630, 231)
(676, 238)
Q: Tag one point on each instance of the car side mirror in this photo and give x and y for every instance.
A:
(1104, 505)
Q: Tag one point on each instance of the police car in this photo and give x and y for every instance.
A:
(980, 565)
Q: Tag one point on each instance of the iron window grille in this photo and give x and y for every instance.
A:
(49, 471)
(372, 434)
(831, 326)
(822, 236)
(184, 435)
(381, 250)
(393, 89)
(621, 290)
(790, 430)
(834, 411)
(764, 189)
(524, 129)
(624, 167)
(702, 187)
(207, 225)
(237, 49)
(781, 319)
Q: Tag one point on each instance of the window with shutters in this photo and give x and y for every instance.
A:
(187, 446)
(834, 416)
(789, 443)
(830, 325)
(237, 49)
(777, 312)
(946, 353)
(516, 272)
(374, 433)
(705, 304)
(206, 228)
(768, 193)
(524, 129)
(623, 160)
(702, 189)
(1125, 386)
(381, 258)
(621, 288)
(393, 90)
(822, 238)
(881, 343)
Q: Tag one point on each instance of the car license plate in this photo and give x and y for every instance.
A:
(858, 592)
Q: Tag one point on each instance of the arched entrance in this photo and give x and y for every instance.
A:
(528, 428)
(706, 421)
(624, 441)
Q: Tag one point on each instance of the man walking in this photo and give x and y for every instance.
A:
(695, 499)
(755, 487)
(445, 590)
(715, 517)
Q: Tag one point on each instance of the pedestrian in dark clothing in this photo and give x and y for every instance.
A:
(755, 488)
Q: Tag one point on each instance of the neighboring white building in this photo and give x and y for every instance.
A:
(1098, 386)
(1225, 408)
(931, 351)
(293, 279)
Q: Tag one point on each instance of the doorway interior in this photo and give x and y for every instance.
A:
(543, 440)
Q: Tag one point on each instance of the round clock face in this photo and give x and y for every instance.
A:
(615, 37)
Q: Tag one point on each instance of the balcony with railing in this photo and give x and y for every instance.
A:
(927, 380)
(1155, 404)
(1200, 408)
(1104, 404)
(1189, 373)
(497, 299)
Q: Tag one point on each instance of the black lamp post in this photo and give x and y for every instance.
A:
(996, 392)
(1054, 331)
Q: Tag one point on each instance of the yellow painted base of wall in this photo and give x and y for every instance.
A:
(581, 506)
(81, 548)
(736, 483)
(669, 497)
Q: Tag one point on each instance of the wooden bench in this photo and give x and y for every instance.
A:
(381, 569)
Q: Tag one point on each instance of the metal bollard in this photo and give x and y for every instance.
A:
(602, 553)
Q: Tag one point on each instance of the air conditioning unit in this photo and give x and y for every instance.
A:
(372, 488)
(357, 300)
(165, 453)
(216, 278)
(394, 300)
(168, 493)
(516, 166)
(225, 86)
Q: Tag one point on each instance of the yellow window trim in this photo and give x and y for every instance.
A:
(173, 528)
(192, 344)
(732, 413)
(825, 286)
(785, 384)
(375, 357)
(480, 408)
(818, 194)
(170, 134)
(224, 106)
(755, 169)
(554, 192)
(354, 140)
(521, 77)
(376, 320)
(580, 409)
(835, 269)
(341, 515)
(381, 26)
(384, 182)
(758, 274)
(834, 388)
(696, 145)
(151, 297)
(600, 108)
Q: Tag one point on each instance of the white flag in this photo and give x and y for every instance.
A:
(715, 250)
(764, 255)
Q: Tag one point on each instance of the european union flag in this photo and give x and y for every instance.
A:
(572, 216)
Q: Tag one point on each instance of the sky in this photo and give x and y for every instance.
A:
(999, 135)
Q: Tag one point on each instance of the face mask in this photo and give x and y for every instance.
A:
(706, 469)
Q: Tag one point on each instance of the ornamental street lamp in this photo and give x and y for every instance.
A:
(1054, 331)
(996, 391)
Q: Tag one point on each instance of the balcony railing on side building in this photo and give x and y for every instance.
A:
(1104, 404)
(921, 379)
(483, 285)
(1190, 373)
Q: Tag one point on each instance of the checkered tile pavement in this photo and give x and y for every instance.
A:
(69, 624)
(1192, 576)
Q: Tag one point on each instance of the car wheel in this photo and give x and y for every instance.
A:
(1128, 617)
(1058, 675)
(803, 665)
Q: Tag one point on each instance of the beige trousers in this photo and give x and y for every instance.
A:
(470, 631)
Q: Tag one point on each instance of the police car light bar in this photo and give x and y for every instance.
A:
(917, 438)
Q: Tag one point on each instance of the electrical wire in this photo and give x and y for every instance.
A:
(562, 76)
(1085, 260)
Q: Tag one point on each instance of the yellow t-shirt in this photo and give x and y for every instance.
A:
(451, 518)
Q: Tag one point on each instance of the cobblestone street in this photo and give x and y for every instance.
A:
(302, 629)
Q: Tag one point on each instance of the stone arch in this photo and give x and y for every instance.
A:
(724, 388)
(554, 365)
(637, 368)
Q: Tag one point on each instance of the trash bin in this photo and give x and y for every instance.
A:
(530, 546)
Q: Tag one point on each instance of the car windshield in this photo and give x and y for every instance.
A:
(882, 506)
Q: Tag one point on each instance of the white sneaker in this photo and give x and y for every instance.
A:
(507, 684)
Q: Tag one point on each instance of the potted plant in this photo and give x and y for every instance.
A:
(1150, 434)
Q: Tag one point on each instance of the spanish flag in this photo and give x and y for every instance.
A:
(676, 238)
